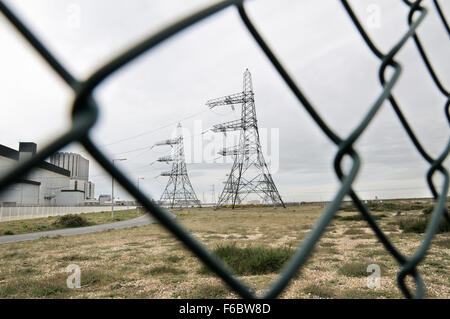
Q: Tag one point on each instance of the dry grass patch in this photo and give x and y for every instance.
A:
(252, 260)
(204, 291)
(354, 269)
(163, 270)
(65, 221)
(147, 262)
(320, 290)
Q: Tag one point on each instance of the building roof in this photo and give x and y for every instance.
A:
(14, 155)
(28, 181)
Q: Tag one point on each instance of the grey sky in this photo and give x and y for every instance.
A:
(316, 42)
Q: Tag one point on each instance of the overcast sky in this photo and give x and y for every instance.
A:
(142, 102)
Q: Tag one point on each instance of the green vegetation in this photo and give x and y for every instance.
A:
(174, 259)
(419, 225)
(204, 291)
(445, 243)
(69, 221)
(160, 270)
(60, 222)
(321, 291)
(354, 231)
(428, 210)
(47, 288)
(356, 269)
(148, 262)
(250, 260)
(358, 217)
(386, 205)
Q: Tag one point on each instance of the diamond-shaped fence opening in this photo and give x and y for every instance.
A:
(85, 112)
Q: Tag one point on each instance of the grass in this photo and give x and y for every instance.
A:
(388, 205)
(253, 260)
(204, 291)
(71, 220)
(355, 269)
(60, 222)
(174, 259)
(148, 262)
(417, 224)
(52, 287)
(320, 291)
(445, 243)
(161, 270)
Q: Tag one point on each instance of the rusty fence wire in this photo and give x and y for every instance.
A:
(85, 113)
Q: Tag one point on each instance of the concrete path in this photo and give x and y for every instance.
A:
(139, 221)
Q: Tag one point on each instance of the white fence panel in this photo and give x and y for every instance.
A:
(29, 212)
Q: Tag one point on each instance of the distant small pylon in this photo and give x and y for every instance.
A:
(249, 174)
(179, 191)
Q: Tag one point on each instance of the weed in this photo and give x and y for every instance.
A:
(253, 260)
(356, 269)
(71, 221)
(419, 225)
(174, 258)
(160, 270)
(320, 291)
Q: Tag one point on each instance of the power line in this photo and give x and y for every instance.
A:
(153, 131)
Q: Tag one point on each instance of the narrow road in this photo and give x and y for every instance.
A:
(139, 221)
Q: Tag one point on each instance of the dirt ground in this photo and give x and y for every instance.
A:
(148, 262)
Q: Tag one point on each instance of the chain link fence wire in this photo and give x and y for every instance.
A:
(85, 113)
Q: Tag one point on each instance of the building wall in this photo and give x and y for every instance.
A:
(90, 194)
(103, 199)
(51, 184)
(75, 163)
(21, 194)
(70, 198)
(44, 194)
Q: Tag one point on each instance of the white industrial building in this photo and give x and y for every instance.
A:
(45, 185)
(79, 171)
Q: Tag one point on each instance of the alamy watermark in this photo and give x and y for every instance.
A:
(73, 11)
(201, 145)
(74, 279)
(373, 20)
(373, 281)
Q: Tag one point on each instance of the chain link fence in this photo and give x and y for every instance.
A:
(85, 113)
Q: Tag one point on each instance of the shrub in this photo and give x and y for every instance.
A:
(8, 232)
(320, 291)
(354, 231)
(174, 258)
(160, 270)
(419, 225)
(71, 221)
(428, 210)
(356, 269)
(413, 224)
(358, 217)
(204, 291)
(253, 260)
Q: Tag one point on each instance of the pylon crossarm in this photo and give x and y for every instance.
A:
(234, 125)
(173, 141)
(237, 98)
(167, 158)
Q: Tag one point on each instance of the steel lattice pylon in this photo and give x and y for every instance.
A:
(179, 191)
(249, 174)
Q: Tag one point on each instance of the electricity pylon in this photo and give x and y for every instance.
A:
(179, 191)
(249, 173)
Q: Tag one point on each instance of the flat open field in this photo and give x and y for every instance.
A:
(148, 262)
